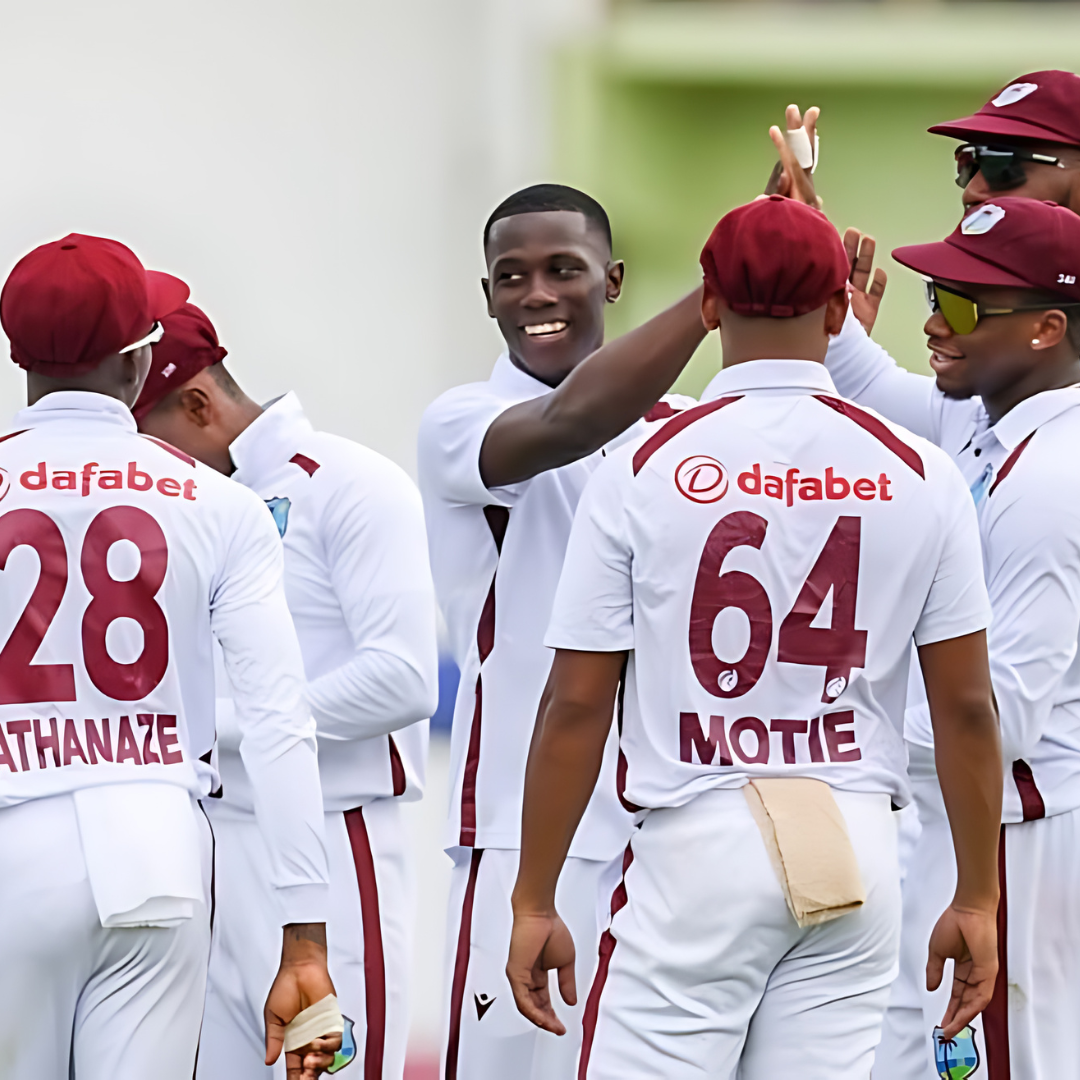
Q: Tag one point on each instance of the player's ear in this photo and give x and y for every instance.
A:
(836, 312)
(1048, 331)
(486, 286)
(616, 270)
(710, 310)
(195, 404)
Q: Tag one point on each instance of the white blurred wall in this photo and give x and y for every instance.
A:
(318, 171)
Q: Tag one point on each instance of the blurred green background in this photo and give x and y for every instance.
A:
(665, 118)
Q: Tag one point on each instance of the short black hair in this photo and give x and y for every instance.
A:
(542, 197)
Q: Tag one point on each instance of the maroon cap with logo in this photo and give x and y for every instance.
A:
(189, 345)
(1044, 105)
(774, 257)
(69, 304)
(1023, 243)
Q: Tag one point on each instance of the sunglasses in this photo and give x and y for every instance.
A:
(963, 314)
(1001, 166)
(157, 332)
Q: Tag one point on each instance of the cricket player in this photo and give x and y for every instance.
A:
(502, 464)
(779, 548)
(1004, 349)
(359, 589)
(124, 561)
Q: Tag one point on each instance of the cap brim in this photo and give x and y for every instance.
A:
(971, 127)
(165, 293)
(944, 261)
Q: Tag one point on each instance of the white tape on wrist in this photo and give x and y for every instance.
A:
(805, 153)
(315, 1022)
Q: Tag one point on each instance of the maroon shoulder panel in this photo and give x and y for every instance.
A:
(679, 422)
(1010, 461)
(880, 431)
(307, 464)
(12, 434)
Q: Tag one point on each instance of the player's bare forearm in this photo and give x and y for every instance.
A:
(564, 761)
(968, 752)
(598, 400)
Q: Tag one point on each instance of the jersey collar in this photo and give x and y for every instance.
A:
(64, 406)
(804, 375)
(1021, 420)
(270, 439)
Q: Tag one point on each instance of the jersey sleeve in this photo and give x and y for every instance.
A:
(866, 374)
(376, 547)
(251, 621)
(594, 603)
(957, 603)
(452, 432)
(1033, 575)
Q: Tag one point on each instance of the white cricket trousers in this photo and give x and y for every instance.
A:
(369, 942)
(1031, 1030)
(485, 1037)
(705, 973)
(77, 1001)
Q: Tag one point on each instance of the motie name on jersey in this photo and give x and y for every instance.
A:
(131, 477)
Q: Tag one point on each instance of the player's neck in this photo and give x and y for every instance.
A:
(116, 377)
(1064, 372)
(745, 338)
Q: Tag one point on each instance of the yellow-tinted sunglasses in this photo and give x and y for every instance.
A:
(963, 314)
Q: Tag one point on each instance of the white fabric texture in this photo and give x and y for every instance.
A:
(247, 941)
(111, 1004)
(710, 975)
(359, 590)
(204, 561)
(464, 561)
(1030, 529)
(501, 1043)
(901, 559)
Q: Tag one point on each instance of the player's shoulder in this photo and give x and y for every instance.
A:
(459, 401)
(334, 462)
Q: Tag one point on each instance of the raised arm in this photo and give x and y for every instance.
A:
(598, 400)
(377, 549)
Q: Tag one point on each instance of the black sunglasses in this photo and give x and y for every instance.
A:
(1002, 166)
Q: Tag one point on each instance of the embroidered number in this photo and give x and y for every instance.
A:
(838, 648)
(21, 680)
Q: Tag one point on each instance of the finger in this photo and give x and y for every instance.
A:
(275, 1040)
(793, 118)
(810, 119)
(877, 287)
(968, 1000)
(542, 1015)
(851, 246)
(787, 157)
(568, 984)
(864, 262)
(935, 968)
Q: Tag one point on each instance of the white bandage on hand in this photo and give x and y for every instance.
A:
(806, 155)
(315, 1022)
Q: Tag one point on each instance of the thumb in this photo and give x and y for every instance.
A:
(935, 968)
(275, 1038)
(568, 984)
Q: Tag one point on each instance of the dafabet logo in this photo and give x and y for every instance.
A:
(702, 479)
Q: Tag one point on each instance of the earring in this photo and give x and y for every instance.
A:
(1034, 341)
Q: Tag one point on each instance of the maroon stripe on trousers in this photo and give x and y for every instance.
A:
(461, 968)
(607, 947)
(1031, 799)
(996, 1014)
(498, 517)
(374, 964)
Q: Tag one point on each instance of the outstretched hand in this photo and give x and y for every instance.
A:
(788, 177)
(865, 294)
(539, 943)
(969, 938)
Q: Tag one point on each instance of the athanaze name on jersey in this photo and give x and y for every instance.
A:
(33, 745)
(813, 488)
(751, 741)
(132, 477)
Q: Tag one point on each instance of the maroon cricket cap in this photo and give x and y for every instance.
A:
(69, 304)
(1044, 105)
(1024, 243)
(774, 257)
(189, 345)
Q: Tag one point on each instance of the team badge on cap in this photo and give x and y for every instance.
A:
(982, 220)
(958, 1057)
(1017, 92)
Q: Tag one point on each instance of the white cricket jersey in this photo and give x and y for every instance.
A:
(766, 559)
(496, 556)
(124, 559)
(1022, 476)
(359, 589)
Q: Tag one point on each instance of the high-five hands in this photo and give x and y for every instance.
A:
(865, 294)
(788, 177)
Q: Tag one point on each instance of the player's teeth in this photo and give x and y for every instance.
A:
(545, 328)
